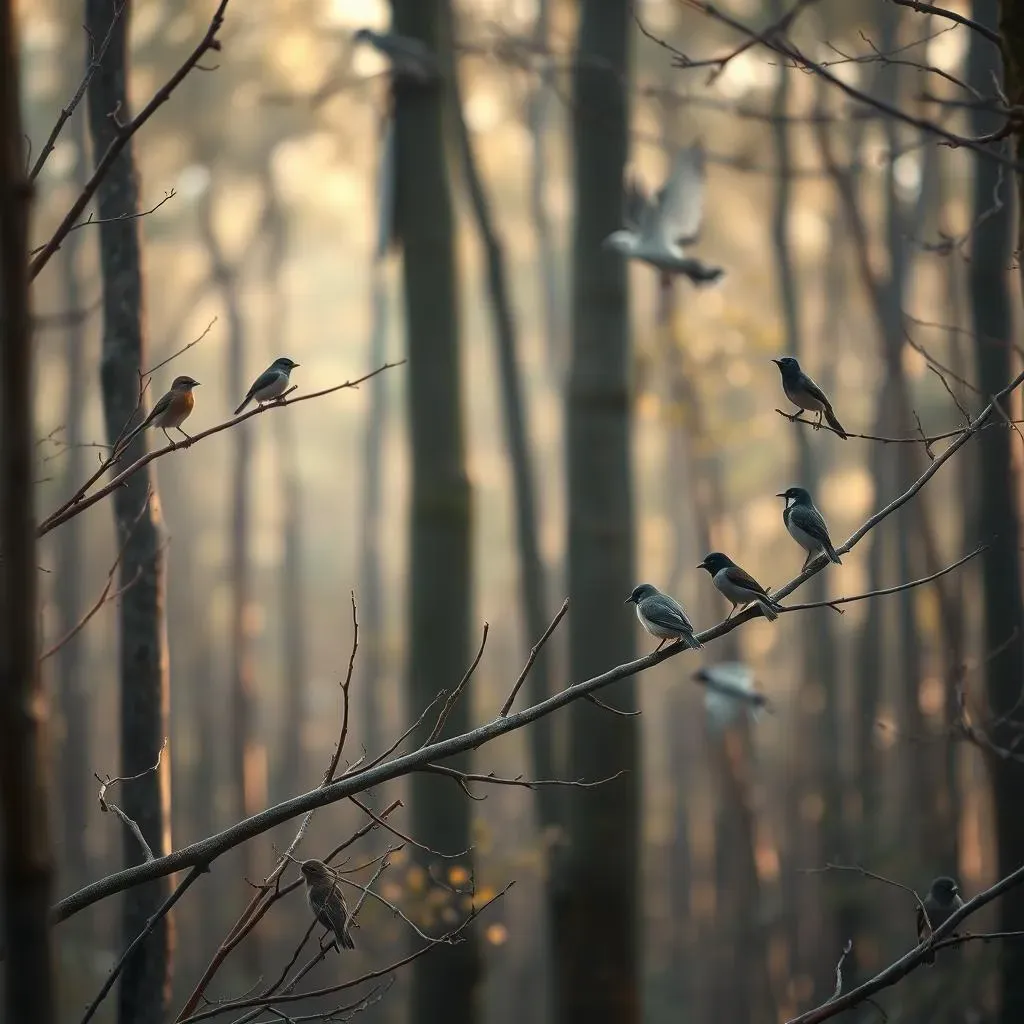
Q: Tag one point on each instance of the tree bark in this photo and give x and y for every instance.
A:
(999, 515)
(144, 684)
(444, 985)
(595, 877)
(29, 989)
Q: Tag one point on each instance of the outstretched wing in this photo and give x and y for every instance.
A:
(680, 203)
(741, 578)
(636, 206)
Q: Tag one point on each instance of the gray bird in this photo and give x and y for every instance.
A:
(663, 617)
(738, 585)
(805, 394)
(410, 58)
(323, 894)
(659, 227)
(942, 901)
(806, 525)
(270, 384)
(729, 692)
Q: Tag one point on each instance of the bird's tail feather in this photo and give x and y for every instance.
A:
(690, 641)
(248, 399)
(833, 555)
(768, 610)
(834, 423)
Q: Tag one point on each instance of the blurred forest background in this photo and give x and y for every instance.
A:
(535, 461)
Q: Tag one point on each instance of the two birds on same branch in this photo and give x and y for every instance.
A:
(173, 408)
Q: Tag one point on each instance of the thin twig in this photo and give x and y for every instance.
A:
(534, 651)
(453, 697)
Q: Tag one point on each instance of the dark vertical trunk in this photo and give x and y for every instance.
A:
(998, 516)
(74, 768)
(596, 877)
(29, 990)
(145, 694)
(445, 985)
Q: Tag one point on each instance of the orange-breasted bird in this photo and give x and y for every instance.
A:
(323, 894)
(170, 411)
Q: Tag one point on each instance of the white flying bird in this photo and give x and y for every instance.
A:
(659, 227)
(729, 692)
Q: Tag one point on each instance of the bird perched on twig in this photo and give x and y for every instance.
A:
(729, 691)
(738, 585)
(806, 525)
(805, 394)
(170, 411)
(271, 384)
(942, 901)
(410, 58)
(323, 894)
(663, 617)
(659, 227)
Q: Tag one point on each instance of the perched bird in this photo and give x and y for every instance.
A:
(270, 384)
(738, 585)
(729, 692)
(806, 525)
(170, 411)
(805, 394)
(410, 58)
(323, 894)
(942, 901)
(659, 227)
(663, 617)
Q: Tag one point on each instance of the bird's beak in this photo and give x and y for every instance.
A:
(700, 565)
(780, 495)
(195, 383)
(629, 600)
(777, 362)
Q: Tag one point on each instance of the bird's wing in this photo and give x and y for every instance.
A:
(264, 380)
(162, 405)
(637, 208)
(680, 203)
(331, 910)
(730, 676)
(741, 578)
(667, 613)
(813, 390)
(811, 521)
(922, 930)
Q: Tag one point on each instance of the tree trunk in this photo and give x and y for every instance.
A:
(444, 985)
(25, 852)
(998, 517)
(145, 694)
(595, 879)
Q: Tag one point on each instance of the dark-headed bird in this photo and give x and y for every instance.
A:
(658, 228)
(323, 894)
(738, 585)
(271, 384)
(806, 395)
(942, 901)
(663, 617)
(806, 525)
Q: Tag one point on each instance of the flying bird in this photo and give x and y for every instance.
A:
(738, 585)
(659, 227)
(410, 58)
(729, 692)
(942, 901)
(323, 894)
(806, 395)
(663, 617)
(170, 411)
(806, 525)
(271, 384)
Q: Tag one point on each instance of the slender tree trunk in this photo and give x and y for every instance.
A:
(999, 514)
(444, 986)
(595, 877)
(25, 853)
(74, 768)
(145, 688)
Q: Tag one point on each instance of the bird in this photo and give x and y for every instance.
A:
(663, 617)
(170, 411)
(805, 394)
(659, 227)
(270, 384)
(325, 899)
(729, 692)
(942, 901)
(738, 585)
(806, 525)
(410, 58)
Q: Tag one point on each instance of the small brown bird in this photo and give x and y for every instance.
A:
(323, 894)
(170, 411)
(942, 901)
